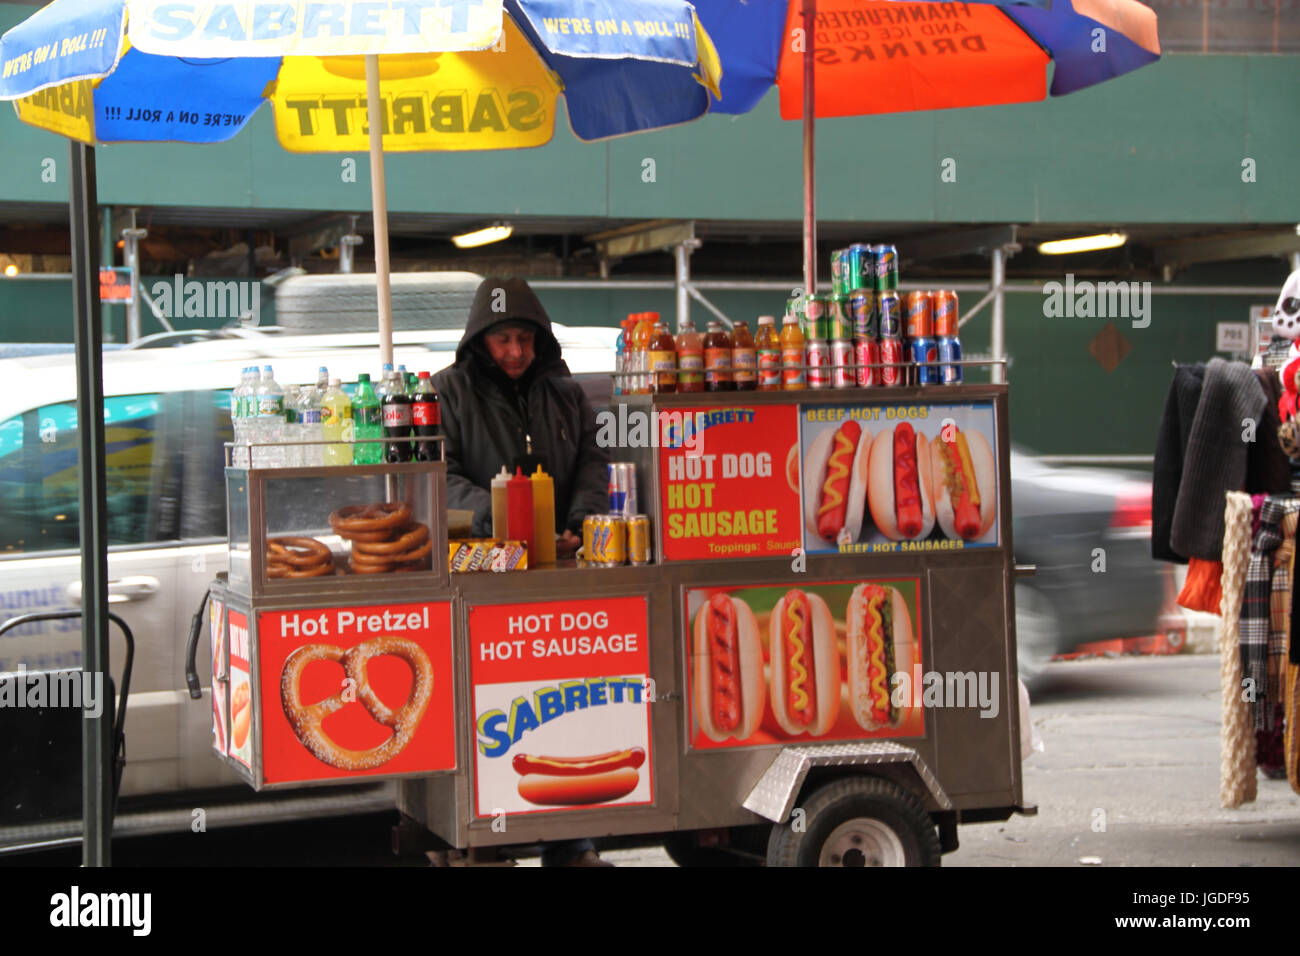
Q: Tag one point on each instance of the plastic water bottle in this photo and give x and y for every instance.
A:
(237, 416)
(310, 401)
(292, 453)
(269, 430)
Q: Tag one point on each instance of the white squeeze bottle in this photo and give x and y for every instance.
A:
(336, 424)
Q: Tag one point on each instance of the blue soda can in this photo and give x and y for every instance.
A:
(617, 489)
(889, 315)
(924, 351)
(949, 347)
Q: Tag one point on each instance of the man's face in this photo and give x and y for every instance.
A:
(511, 349)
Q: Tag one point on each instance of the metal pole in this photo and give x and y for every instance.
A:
(809, 153)
(1295, 262)
(379, 207)
(96, 798)
(131, 237)
(681, 256)
(997, 331)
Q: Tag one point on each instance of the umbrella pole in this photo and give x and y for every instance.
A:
(379, 207)
(96, 792)
(809, 154)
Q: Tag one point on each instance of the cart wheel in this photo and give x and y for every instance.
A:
(684, 849)
(858, 821)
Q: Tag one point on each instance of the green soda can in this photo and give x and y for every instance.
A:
(840, 320)
(817, 317)
(838, 286)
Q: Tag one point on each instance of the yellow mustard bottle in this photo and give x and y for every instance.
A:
(543, 517)
(500, 504)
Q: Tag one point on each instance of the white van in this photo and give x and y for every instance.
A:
(167, 414)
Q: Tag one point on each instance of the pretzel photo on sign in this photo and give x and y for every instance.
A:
(307, 719)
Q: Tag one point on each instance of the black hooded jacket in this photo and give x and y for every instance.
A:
(486, 415)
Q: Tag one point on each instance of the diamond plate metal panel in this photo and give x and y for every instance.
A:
(774, 795)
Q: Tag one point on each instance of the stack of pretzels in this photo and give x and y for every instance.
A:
(384, 538)
(297, 558)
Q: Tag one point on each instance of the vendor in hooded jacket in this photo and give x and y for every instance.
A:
(510, 400)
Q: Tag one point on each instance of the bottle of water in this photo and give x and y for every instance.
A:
(239, 418)
(309, 425)
(269, 430)
(291, 432)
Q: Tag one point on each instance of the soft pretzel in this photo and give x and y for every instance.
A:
(381, 516)
(409, 541)
(306, 719)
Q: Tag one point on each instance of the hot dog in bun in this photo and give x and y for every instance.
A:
(899, 490)
(835, 483)
(805, 664)
(728, 671)
(880, 645)
(578, 781)
(965, 483)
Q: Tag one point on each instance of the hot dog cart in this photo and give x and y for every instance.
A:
(582, 701)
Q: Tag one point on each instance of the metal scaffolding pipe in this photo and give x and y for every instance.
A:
(997, 330)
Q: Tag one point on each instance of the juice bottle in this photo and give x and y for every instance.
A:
(543, 518)
(769, 355)
(642, 333)
(690, 358)
(744, 358)
(336, 424)
(717, 359)
(663, 359)
(792, 357)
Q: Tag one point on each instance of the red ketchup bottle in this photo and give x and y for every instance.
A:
(519, 510)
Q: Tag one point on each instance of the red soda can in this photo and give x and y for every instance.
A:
(866, 352)
(944, 310)
(920, 321)
(893, 356)
(818, 361)
(842, 364)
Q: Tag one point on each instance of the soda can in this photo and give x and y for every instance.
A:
(892, 358)
(862, 314)
(627, 485)
(796, 306)
(925, 353)
(920, 320)
(838, 257)
(841, 322)
(858, 267)
(842, 374)
(816, 323)
(944, 308)
(889, 315)
(818, 354)
(866, 353)
(886, 257)
(610, 542)
(590, 531)
(617, 494)
(949, 347)
(638, 539)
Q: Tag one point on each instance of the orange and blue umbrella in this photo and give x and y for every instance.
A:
(890, 56)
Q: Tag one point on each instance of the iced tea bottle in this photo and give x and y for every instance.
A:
(717, 359)
(663, 360)
(768, 347)
(792, 357)
(690, 358)
(744, 358)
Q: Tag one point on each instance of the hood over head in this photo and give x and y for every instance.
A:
(507, 300)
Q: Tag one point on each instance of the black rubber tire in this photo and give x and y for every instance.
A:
(883, 805)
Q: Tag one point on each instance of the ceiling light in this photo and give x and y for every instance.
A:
(11, 270)
(1107, 240)
(481, 237)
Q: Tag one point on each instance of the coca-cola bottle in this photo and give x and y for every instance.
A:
(426, 415)
(397, 420)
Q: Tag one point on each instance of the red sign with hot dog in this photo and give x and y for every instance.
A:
(561, 696)
(729, 482)
(356, 692)
(808, 663)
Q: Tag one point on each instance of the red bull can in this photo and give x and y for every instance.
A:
(818, 360)
(893, 358)
(924, 351)
(617, 493)
(866, 353)
(842, 374)
(622, 488)
(949, 347)
(889, 315)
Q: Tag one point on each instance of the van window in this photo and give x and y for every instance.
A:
(163, 470)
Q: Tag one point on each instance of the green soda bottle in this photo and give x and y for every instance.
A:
(367, 414)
